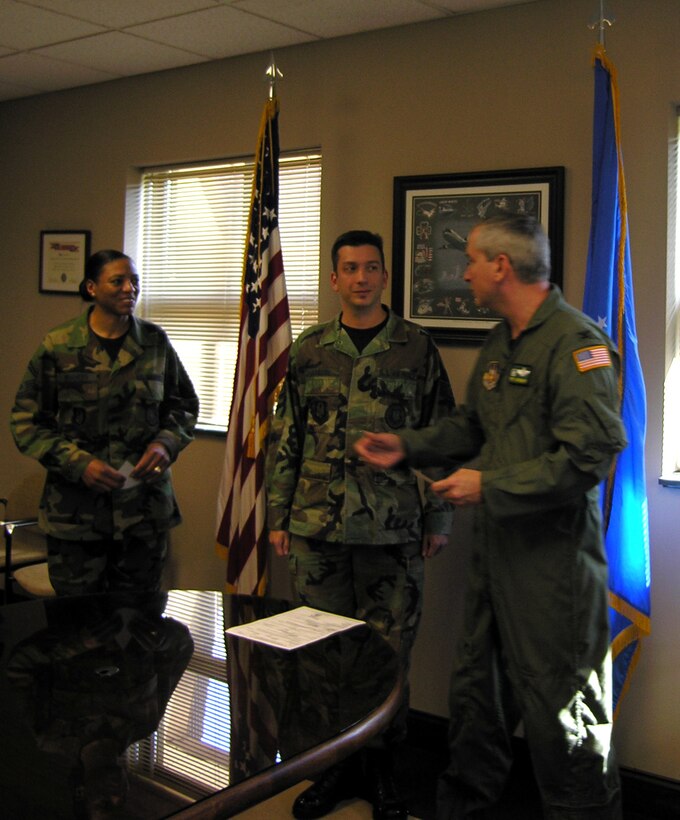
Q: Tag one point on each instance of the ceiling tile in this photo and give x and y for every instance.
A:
(120, 53)
(220, 32)
(27, 27)
(43, 74)
(128, 37)
(467, 6)
(335, 18)
(121, 13)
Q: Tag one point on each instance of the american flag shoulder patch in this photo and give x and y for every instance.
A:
(588, 358)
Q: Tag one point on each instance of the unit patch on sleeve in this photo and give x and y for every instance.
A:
(588, 358)
(520, 374)
(491, 375)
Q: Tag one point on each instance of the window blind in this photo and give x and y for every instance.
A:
(191, 239)
(190, 749)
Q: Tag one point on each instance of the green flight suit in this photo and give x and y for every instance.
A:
(357, 533)
(542, 419)
(74, 405)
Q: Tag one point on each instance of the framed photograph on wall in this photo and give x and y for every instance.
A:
(433, 216)
(62, 260)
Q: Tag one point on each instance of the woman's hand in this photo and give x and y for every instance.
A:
(101, 477)
(153, 463)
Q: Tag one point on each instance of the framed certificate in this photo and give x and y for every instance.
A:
(62, 260)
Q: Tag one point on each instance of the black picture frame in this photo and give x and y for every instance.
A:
(62, 260)
(432, 217)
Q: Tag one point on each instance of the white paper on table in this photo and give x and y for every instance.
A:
(298, 627)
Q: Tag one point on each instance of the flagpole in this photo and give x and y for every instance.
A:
(272, 73)
(609, 300)
(602, 18)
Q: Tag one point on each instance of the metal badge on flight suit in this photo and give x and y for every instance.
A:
(491, 376)
(520, 374)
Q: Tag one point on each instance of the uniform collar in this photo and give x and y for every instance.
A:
(134, 340)
(394, 331)
(544, 312)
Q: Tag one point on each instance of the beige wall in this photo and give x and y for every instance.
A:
(510, 88)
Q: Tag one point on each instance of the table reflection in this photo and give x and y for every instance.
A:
(137, 706)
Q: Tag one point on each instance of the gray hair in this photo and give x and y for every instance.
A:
(522, 239)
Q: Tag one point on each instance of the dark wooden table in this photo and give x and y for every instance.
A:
(129, 706)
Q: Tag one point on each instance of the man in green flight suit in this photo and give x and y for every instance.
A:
(356, 539)
(542, 421)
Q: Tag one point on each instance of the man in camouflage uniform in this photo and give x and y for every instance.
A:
(355, 538)
(106, 406)
(542, 421)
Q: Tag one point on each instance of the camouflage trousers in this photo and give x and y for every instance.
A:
(106, 565)
(382, 585)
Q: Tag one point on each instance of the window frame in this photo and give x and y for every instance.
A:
(210, 357)
(670, 467)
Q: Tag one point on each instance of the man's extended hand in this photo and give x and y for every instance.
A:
(460, 488)
(381, 450)
(280, 540)
(433, 545)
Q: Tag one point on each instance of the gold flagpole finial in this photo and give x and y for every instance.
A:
(272, 74)
(600, 21)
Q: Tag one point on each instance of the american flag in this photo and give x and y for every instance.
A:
(264, 340)
(589, 357)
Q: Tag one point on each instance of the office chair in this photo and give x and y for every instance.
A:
(25, 561)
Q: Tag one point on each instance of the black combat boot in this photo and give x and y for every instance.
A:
(382, 791)
(340, 782)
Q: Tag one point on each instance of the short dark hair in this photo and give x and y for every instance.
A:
(354, 239)
(522, 239)
(94, 266)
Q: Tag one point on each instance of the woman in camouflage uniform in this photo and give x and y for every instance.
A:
(106, 406)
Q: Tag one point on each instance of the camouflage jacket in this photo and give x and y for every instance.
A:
(317, 487)
(75, 405)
